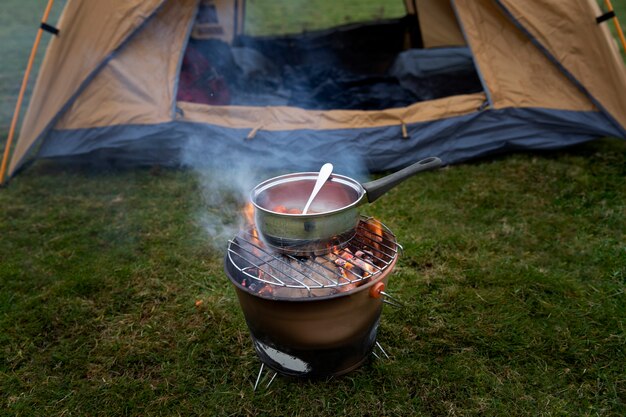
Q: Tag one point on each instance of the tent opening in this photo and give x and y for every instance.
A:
(348, 57)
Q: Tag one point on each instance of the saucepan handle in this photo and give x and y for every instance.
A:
(377, 188)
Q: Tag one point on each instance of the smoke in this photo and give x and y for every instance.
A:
(225, 183)
(254, 73)
(228, 170)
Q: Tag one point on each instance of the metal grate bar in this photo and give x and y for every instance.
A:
(348, 270)
(288, 264)
(293, 258)
(386, 246)
(263, 262)
(350, 260)
(306, 265)
(386, 262)
(390, 242)
(276, 262)
(257, 262)
(338, 275)
(252, 265)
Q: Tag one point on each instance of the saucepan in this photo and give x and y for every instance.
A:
(333, 216)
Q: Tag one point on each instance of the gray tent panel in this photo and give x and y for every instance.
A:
(358, 150)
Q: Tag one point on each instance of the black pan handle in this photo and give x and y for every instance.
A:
(376, 188)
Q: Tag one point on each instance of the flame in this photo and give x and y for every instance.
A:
(374, 232)
(344, 277)
(248, 215)
(377, 229)
(248, 212)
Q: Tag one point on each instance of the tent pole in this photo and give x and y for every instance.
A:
(20, 97)
(617, 26)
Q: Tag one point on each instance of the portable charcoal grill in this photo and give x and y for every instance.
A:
(316, 315)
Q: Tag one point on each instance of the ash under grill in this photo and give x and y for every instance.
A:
(269, 274)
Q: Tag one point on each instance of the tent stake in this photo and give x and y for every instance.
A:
(20, 97)
(617, 26)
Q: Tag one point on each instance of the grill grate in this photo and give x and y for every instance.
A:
(364, 257)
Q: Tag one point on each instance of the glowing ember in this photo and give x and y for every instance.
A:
(357, 266)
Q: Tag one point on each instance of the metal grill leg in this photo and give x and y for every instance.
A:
(259, 379)
(380, 348)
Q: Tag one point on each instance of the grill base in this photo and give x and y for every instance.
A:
(320, 334)
(314, 338)
(316, 363)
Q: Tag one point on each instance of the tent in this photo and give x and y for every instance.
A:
(119, 82)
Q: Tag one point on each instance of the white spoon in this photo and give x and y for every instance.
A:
(322, 177)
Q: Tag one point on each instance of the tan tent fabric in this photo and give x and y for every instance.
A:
(89, 31)
(287, 118)
(556, 26)
(137, 86)
(438, 24)
(516, 72)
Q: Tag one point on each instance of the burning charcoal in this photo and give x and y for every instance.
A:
(363, 254)
(289, 277)
(345, 284)
(343, 257)
(340, 262)
(355, 272)
(365, 266)
(357, 267)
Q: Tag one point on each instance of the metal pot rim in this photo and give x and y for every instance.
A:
(299, 176)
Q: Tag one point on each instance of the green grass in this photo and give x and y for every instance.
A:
(513, 276)
(299, 15)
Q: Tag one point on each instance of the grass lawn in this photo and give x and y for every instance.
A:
(513, 276)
